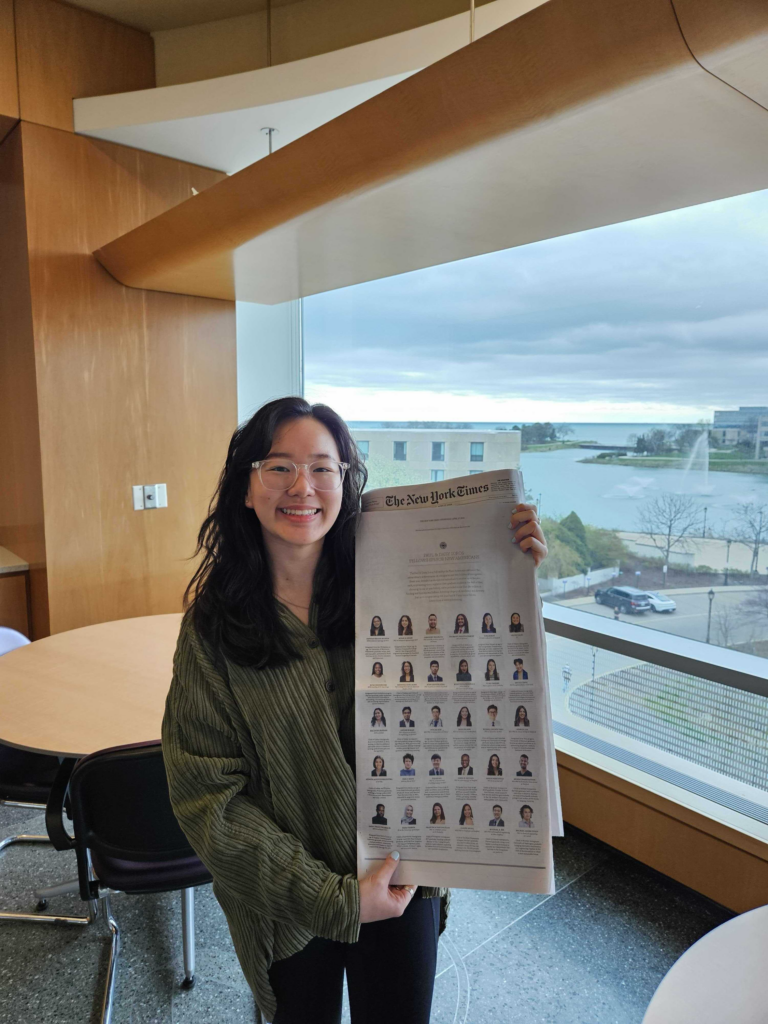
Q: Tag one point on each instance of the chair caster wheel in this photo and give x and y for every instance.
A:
(41, 904)
(188, 983)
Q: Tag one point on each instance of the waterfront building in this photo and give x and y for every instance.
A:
(732, 426)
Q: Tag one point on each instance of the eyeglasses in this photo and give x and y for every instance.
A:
(281, 474)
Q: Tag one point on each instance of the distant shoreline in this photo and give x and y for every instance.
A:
(749, 467)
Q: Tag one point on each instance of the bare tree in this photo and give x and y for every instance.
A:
(752, 528)
(755, 606)
(667, 520)
(727, 621)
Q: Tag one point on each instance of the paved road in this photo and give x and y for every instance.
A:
(729, 624)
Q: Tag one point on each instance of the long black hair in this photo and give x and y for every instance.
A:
(230, 595)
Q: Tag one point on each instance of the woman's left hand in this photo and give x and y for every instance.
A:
(528, 532)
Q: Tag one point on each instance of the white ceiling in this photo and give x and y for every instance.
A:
(156, 15)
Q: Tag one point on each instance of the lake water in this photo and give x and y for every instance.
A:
(611, 496)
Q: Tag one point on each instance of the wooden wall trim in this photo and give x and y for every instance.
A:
(708, 856)
(9, 93)
(66, 52)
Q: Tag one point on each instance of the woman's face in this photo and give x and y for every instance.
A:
(463, 666)
(526, 814)
(515, 619)
(522, 714)
(495, 762)
(437, 811)
(491, 666)
(376, 622)
(461, 620)
(404, 621)
(377, 670)
(407, 670)
(466, 811)
(298, 515)
(465, 714)
(378, 763)
(377, 714)
(487, 620)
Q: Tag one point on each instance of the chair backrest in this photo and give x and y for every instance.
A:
(121, 807)
(10, 639)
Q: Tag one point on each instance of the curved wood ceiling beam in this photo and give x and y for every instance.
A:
(579, 113)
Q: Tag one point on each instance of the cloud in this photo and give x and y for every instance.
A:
(668, 312)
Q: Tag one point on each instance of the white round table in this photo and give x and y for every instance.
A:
(721, 979)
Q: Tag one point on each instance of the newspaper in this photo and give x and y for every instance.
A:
(455, 754)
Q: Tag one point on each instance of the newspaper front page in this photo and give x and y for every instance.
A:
(455, 754)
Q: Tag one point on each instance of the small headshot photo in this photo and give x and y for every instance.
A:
(461, 625)
(465, 768)
(378, 766)
(466, 817)
(526, 817)
(515, 625)
(378, 721)
(408, 818)
(519, 672)
(491, 672)
(494, 765)
(377, 629)
(524, 771)
(436, 721)
(378, 818)
(464, 718)
(432, 628)
(488, 626)
(405, 626)
(437, 765)
(521, 716)
(493, 713)
(434, 673)
(438, 815)
(406, 722)
(378, 670)
(408, 768)
(406, 672)
(497, 819)
(463, 675)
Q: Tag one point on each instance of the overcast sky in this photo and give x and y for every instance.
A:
(656, 320)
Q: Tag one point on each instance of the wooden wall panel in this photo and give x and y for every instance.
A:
(134, 387)
(21, 497)
(65, 52)
(707, 856)
(13, 604)
(9, 96)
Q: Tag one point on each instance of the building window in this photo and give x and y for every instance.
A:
(400, 451)
(475, 472)
(364, 449)
(437, 474)
(438, 452)
(476, 451)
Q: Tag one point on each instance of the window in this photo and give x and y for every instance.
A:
(364, 449)
(436, 474)
(438, 452)
(476, 451)
(400, 453)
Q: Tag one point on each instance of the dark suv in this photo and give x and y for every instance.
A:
(626, 599)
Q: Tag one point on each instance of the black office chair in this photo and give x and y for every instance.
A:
(127, 840)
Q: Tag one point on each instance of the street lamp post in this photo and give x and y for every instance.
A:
(704, 531)
(727, 558)
(711, 596)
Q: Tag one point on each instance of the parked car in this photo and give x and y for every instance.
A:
(660, 602)
(629, 600)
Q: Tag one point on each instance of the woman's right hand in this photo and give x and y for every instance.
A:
(378, 899)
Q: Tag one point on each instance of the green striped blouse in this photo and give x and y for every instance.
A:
(260, 766)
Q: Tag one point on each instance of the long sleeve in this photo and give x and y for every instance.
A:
(217, 802)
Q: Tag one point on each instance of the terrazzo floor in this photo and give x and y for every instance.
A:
(591, 954)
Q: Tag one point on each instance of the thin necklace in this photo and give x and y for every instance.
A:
(304, 607)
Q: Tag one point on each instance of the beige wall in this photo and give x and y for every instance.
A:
(302, 29)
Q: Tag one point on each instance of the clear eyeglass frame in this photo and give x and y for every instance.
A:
(318, 483)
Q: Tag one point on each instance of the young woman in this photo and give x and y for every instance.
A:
(464, 718)
(463, 675)
(406, 672)
(377, 670)
(405, 626)
(515, 625)
(466, 815)
(438, 815)
(491, 671)
(377, 628)
(494, 765)
(378, 766)
(521, 716)
(378, 721)
(461, 626)
(488, 626)
(264, 666)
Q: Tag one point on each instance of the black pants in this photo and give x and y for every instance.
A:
(390, 973)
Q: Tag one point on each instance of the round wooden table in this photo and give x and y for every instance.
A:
(721, 978)
(80, 691)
